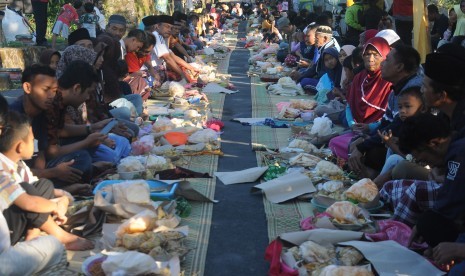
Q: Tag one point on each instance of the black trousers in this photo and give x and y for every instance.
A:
(18, 220)
(39, 9)
(404, 30)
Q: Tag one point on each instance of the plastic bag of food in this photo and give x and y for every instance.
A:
(129, 263)
(143, 221)
(321, 126)
(136, 191)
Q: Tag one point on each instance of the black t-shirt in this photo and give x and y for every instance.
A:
(440, 25)
(38, 123)
(371, 18)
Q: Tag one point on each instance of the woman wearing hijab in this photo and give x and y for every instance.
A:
(328, 102)
(115, 147)
(346, 51)
(367, 35)
(50, 57)
(367, 97)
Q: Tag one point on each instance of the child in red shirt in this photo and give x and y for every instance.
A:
(67, 16)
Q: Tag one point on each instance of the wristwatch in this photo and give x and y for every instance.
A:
(89, 128)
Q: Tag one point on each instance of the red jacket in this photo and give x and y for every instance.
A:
(401, 8)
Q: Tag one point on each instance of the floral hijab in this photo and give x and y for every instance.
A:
(73, 53)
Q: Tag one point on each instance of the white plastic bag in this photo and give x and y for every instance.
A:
(321, 126)
(14, 25)
(129, 263)
(122, 102)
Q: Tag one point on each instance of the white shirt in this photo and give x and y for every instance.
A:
(101, 18)
(123, 49)
(25, 175)
(159, 50)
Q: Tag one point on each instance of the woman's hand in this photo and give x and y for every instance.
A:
(360, 128)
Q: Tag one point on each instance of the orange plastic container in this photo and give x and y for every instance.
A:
(176, 138)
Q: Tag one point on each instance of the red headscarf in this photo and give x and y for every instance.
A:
(368, 94)
(367, 35)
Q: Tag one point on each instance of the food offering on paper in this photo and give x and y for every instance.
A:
(322, 127)
(303, 144)
(329, 170)
(146, 232)
(312, 258)
(348, 216)
(161, 246)
(349, 256)
(288, 113)
(363, 191)
(305, 160)
(335, 270)
(303, 105)
(141, 166)
(333, 189)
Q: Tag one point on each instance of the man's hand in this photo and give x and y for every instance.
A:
(109, 143)
(355, 161)
(99, 125)
(95, 139)
(414, 237)
(122, 130)
(66, 173)
(304, 64)
(295, 75)
(437, 175)
(353, 145)
(445, 252)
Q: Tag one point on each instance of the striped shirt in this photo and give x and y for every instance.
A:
(10, 190)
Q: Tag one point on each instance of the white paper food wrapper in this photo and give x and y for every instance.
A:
(244, 176)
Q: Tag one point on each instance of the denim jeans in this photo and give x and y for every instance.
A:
(105, 153)
(82, 162)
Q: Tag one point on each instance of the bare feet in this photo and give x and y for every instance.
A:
(79, 244)
(71, 242)
(32, 234)
(78, 188)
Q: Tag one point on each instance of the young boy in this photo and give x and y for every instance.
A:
(89, 19)
(32, 202)
(40, 254)
(67, 16)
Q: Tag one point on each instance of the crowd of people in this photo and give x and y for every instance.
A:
(69, 97)
(404, 120)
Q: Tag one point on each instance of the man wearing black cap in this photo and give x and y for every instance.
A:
(444, 83)
(116, 26)
(176, 45)
(161, 28)
(80, 37)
